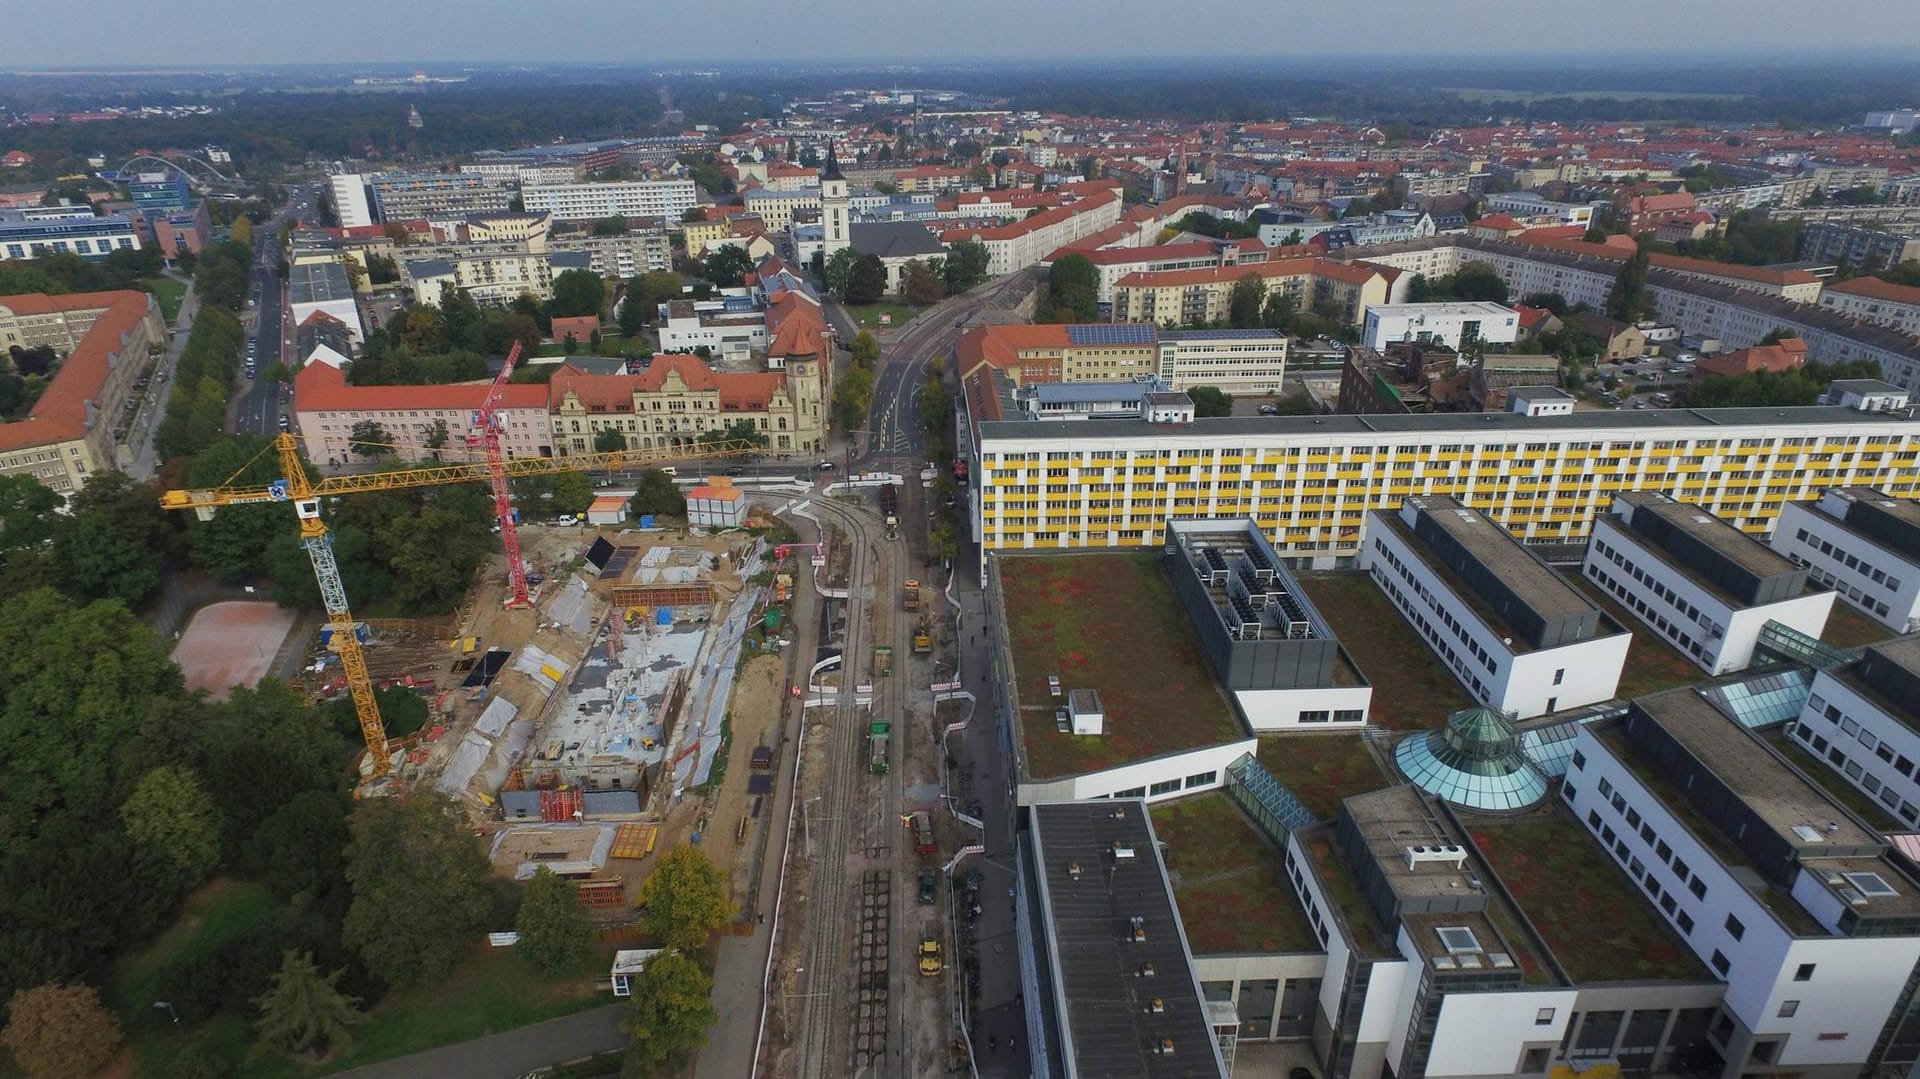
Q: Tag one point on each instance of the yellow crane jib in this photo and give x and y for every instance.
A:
(298, 489)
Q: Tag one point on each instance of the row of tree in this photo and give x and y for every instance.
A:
(853, 393)
(861, 279)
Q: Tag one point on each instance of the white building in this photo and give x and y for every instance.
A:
(729, 332)
(1701, 583)
(67, 230)
(1539, 401)
(666, 199)
(1863, 721)
(835, 224)
(1026, 242)
(1526, 204)
(1870, 299)
(1450, 324)
(323, 286)
(1862, 543)
(1521, 639)
(349, 193)
(1783, 895)
(778, 208)
(1232, 361)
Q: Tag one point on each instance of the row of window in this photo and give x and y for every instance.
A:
(1169, 786)
(1457, 627)
(1631, 600)
(1441, 645)
(1337, 715)
(1696, 449)
(1851, 561)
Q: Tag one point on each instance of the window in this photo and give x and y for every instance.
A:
(1685, 921)
(1579, 760)
(1164, 787)
(1203, 779)
(1720, 963)
(1543, 1017)
(1698, 888)
(1734, 928)
(1788, 1008)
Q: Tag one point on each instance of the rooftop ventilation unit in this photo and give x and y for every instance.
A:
(1500, 960)
(1156, 1006)
(1438, 852)
(1808, 833)
(1137, 929)
(1145, 971)
(1073, 870)
(1163, 1047)
(1121, 850)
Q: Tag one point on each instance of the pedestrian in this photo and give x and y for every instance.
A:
(763, 917)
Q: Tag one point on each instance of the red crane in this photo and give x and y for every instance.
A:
(489, 436)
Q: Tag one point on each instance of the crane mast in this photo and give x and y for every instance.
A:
(489, 426)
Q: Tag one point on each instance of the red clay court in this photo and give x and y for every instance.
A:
(231, 644)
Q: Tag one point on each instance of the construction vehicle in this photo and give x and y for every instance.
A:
(877, 735)
(300, 490)
(922, 639)
(910, 595)
(930, 963)
(922, 834)
(883, 660)
(890, 509)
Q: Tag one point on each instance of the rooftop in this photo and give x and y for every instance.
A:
(318, 282)
(1890, 522)
(1228, 881)
(1536, 855)
(1749, 553)
(1108, 622)
(1888, 675)
(1443, 309)
(1110, 914)
(1412, 690)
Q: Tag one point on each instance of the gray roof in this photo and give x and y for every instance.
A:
(570, 260)
(315, 282)
(1663, 422)
(1113, 391)
(1539, 393)
(1106, 1008)
(893, 239)
(430, 268)
(1863, 386)
(1222, 335)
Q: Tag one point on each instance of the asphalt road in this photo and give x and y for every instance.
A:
(262, 401)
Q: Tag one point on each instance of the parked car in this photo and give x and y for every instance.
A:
(736, 470)
(824, 466)
(1269, 410)
(566, 520)
(927, 884)
(1053, 685)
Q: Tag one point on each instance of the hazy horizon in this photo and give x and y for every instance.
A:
(841, 33)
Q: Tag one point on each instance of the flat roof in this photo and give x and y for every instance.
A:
(1654, 422)
(1532, 581)
(1902, 652)
(1778, 794)
(1242, 546)
(1724, 539)
(1539, 392)
(1443, 307)
(1100, 870)
(317, 282)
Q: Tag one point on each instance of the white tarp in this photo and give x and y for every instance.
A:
(500, 712)
(467, 758)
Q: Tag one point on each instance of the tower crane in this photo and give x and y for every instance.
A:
(305, 494)
(489, 438)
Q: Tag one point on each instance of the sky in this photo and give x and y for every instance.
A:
(657, 32)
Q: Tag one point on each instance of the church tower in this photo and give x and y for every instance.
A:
(834, 208)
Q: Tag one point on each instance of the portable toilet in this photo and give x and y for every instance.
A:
(646, 520)
(663, 616)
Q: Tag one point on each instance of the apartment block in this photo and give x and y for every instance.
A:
(494, 276)
(1705, 586)
(1453, 324)
(107, 339)
(1873, 300)
(1864, 249)
(627, 255)
(1519, 637)
(665, 199)
(1863, 720)
(1025, 242)
(1199, 297)
(1864, 544)
(406, 196)
(1785, 896)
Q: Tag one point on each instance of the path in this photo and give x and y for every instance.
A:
(511, 1054)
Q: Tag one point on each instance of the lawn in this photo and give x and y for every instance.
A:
(1321, 769)
(1107, 622)
(167, 293)
(1412, 689)
(868, 314)
(1597, 925)
(490, 991)
(1848, 628)
(1653, 664)
(1227, 880)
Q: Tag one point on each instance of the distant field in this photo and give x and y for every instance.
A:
(1527, 96)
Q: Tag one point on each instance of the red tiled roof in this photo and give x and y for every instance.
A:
(1339, 271)
(61, 413)
(1498, 221)
(1873, 288)
(1037, 221)
(1790, 353)
(739, 391)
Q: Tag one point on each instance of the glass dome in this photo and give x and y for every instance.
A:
(1473, 762)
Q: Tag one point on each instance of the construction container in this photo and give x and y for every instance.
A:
(883, 661)
(877, 736)
(910, 595)
(770, 621)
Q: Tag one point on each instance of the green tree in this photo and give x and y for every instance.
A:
(668, 1015)
(301, 848)
(965, 266)
(170, 812)
(554, 933)
(369, 439)
(609, 440)
(1630, 301)
(304, 1009)
(242, 231)
(611, 226)
(865, 350)
(60, 1031)
(868, 280)
(419, 887)
(837, 272)
(684, 901)
(852, 395)
(1278, 312)
(728, 264)
(1245, 301)
(656, 493)
(1073, 289)
(634, 313)
(576, 293)
(572, 493)
(920, 283)
(737, 431)
(1210, 401)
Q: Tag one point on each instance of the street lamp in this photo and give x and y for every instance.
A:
(170, 1009)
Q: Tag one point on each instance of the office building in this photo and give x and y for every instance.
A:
(1520, 637)
(1456, 325)
(1864, 544)
(1232, 361)
(1862, 720)
(1786, 897)
(1703, 585)
(678, 398)
(66, 230)
(107, 339)
(326, 409)
(668, 200)
(161, 192)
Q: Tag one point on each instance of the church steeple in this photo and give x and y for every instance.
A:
(833, 165)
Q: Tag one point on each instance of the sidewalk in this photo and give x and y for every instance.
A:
(142, 462)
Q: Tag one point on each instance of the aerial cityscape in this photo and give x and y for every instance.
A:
(1053, 542)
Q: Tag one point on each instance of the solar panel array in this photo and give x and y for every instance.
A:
(1111, 333)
